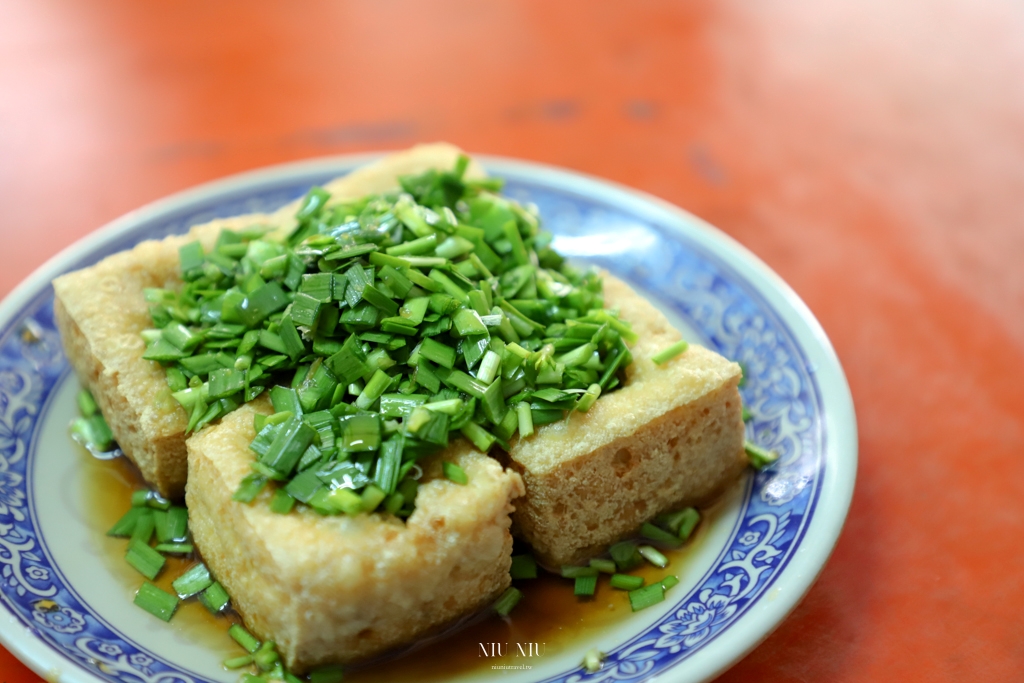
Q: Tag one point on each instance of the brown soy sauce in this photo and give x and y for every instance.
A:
(549, 620)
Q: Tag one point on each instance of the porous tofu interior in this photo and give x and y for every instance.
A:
(673, 435)
(346, 588)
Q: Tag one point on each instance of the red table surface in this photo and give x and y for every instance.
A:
(871, 152)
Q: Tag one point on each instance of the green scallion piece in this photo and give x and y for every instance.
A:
(626, 555)
(669, 581)
(372, 497)
(249, 488)
(157, 602)
(479, 436)
(346, 500)
(327, 674)
(642, 598)
(454, 473)
(248, 641)
(508, 600)
(525, 415)
(171, 525)
(125, 526)
(144, 528)
(373, 390)
(237, 662)
(175, 548)
(670, 352)
(658, 534)
(192, 582)
(653, 555)
(585, 586)
(157, 502)
(593, 660)
(439, 353)
(626, 582)
(215, 598)
(93, 432)
(681, 523)
(86, 403)
(523, 567)
(282, 502)
(572, 572)
(759, 457)
(144, 559)
(603, 566)
(266, 656)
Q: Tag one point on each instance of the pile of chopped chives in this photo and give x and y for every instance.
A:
(382, 327)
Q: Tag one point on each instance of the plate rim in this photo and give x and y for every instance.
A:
(840, 448)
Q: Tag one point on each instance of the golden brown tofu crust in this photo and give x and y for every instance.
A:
(342, 589)
(101, 311)
(671, 437)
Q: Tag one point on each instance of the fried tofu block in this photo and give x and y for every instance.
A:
(342, 589)
(101, 311)
(671, 437)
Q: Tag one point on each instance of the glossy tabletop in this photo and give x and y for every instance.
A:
(871, 152)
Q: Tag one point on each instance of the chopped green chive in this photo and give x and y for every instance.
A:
(250, 487)
(670, 352)
(248, 641)
(86, 403)
(626, 555)
(93, 433)
(454, 473)
(159, 603)
(593, 660)
(759, 457)
(523, 567)
(237, 662)
(144, 527)
(588, 398)
(653, 556)
(626, 582)
(215, 598)
(642, 598)
(326, 674)
(146, 560)
(266, 656)
(654, 533)
(571, 572)
(175, 548)
(382, 327)
(525, 415)
(585, 585)
(125, 526)
(680, 523)
(171, 525)
(282, 502)
(508, 600)
(192, 582)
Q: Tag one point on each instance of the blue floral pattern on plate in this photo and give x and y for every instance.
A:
(727, 312)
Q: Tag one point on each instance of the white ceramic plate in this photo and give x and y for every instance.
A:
(67, 612)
